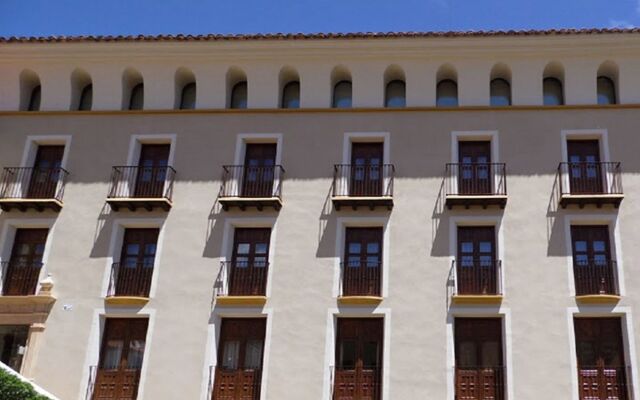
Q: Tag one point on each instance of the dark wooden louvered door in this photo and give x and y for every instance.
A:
(476, 266)
(362, 267)
(259, 170)
(592, 266)
(358, 374)
(601, 363)
(238, 375)
(474, 177)
(366, 169)
(152, 170)
(585, 170)
(25, 264)
(123, 346)
(136, 262)
(479, 361)
(46, 172)
(250, 262)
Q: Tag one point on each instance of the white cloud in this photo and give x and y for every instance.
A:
(617, 23)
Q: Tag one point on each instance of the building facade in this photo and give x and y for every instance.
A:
(364, 216)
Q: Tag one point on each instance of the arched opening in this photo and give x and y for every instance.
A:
(30, 91)
(607, 82)
(447, 86)
(185, 89)
(237, 88)
(395, 91)
(552, 85)
(500, 86)
(133, 90)
(342, 88)
(289, 81)
(81, 90)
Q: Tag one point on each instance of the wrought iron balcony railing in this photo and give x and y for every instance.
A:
(361, 277)
(477, 277)
(590, 178)
(593, 277)
(20, 277)
(476, 179)
(242, 278)
(252, 182)
(33, 183)
(363, 180)
(130, 280)
(142, 182)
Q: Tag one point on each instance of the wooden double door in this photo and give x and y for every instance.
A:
(152, 170)
(366, 175)
(121, 358)
(135, 271)
(476, 266)
(238, 375)
(23, 270)
(593, 268)
(250, 262)
(479, 373)
(46, 172)
(586, 175)
(475, 175)
(259, 170)
(362, 267)
(358, 365)
(601, 362)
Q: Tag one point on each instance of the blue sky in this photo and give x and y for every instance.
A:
(82, 17)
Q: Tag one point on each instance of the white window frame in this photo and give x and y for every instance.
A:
(601, 135)
(628, 341)
(366, 137)
(133, 156)
(610, 221)
(342, 223)
(242, 139)
(480, 312)
(465, 136)
(31, 149)
(119, 226)
(330, 344)
(213, 341)
(8, 237)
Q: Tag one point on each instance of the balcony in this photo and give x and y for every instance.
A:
(358, 382)
(480, 382)
(589, 183)
(475, 184)
(141, 187)
(476, 281)
(245, 186)
(242, 283)
(236, 383)
(20, 280)
(360, 282)
(363, 186)
(596, 281)
(600, 382)
(32, 188)
(129, 284)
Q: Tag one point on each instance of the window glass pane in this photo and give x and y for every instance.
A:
(188, 99)
(259, 262)
(13, 341)
(580, 246)
(242, 262)
(468, 356)
(606, 91)
(112, 354)
(243, 248)
(500, 93)
(347, 354)
(552, 90)
(136, 353)
(342, 95)
(86, 98)
(447, 94)
(353, 261)
(370, 356)
(467, 247)
(230, 354)
(491, 354)
(598, 245)
(239, 95)
(354, 248)
(373, 248)
(253, 354)
(467, 261)
(395, 96)
(581, 259)
(291, 95)
(373, 261)
(137, 97)
(34, 100)
(261, 248)
(486, 247)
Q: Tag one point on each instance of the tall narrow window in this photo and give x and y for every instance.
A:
(152, 170)
(500, 93)
(136, 101)
(250, 263)
(22, 272)
(552, 91)
(132, 275)
(291, 95)
(239, 95)
(13, 343)
(46, 173)
(606, 91)
(188, 97)
(476, 265)
(585, 169)
(34, 99)
(362, 262)
(593, 268)
(86, 98)
(342, 95)
(395, 94)
(447, 93)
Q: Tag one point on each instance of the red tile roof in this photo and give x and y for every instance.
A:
(314, 36)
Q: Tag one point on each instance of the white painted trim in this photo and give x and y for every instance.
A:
(628, 337)
(133, 157)
(477, 220)
(230, 224)
(330, 344)
(8, 234)
(480, 312)
(611, 222)
(461, 136)
(601, 135)
(213, 338)
(31, 147)
(342, 223)
(115, 248)
(94, 344)
(366, 137)
(242, 139)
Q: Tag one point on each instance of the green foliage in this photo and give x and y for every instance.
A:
(12, 388)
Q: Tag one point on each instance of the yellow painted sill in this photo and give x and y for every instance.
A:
(476, 299)
(126, 300)
(27, 300)
(139, 200)
(359, 300)
(241, 300)
(598, 298)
